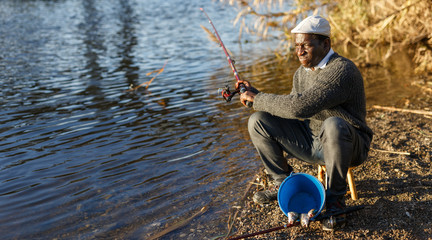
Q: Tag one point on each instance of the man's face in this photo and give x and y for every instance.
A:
(310, 50)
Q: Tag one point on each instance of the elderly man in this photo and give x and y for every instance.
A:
(322, 120)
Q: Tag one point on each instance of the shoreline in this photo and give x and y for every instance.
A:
(393, 184)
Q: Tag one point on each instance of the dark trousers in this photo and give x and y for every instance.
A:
(338, 146)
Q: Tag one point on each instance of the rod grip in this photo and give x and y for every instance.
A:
(249, 104)
(242, 90)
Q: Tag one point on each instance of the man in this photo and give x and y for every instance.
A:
(322, 121)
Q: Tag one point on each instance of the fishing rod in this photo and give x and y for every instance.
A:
(330, 216)
(226, 93)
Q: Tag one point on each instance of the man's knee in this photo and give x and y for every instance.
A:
(255, 120)
(335, 128)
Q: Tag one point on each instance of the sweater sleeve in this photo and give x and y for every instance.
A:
(319, 90)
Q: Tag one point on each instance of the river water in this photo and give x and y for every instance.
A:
(81, 157)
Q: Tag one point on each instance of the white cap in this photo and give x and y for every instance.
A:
(313, 25)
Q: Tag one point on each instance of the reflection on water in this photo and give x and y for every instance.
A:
(82, 158)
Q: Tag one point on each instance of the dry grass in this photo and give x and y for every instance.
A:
(147, 84)
(367, 25)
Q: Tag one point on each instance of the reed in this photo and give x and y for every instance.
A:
(365, 25)
(212, 37)
(147, 83)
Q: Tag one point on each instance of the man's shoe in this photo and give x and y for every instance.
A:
(266, 196)
(336, 221)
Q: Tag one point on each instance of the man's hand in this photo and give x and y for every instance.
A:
(250, 93)
(246, 84)
(247, 96)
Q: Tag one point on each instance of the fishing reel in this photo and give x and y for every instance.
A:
(226, 93)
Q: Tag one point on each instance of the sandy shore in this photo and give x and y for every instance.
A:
(394, 185)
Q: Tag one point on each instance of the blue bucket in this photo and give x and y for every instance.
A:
(301, 192)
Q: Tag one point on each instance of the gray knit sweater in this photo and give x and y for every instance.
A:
(337, 90)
